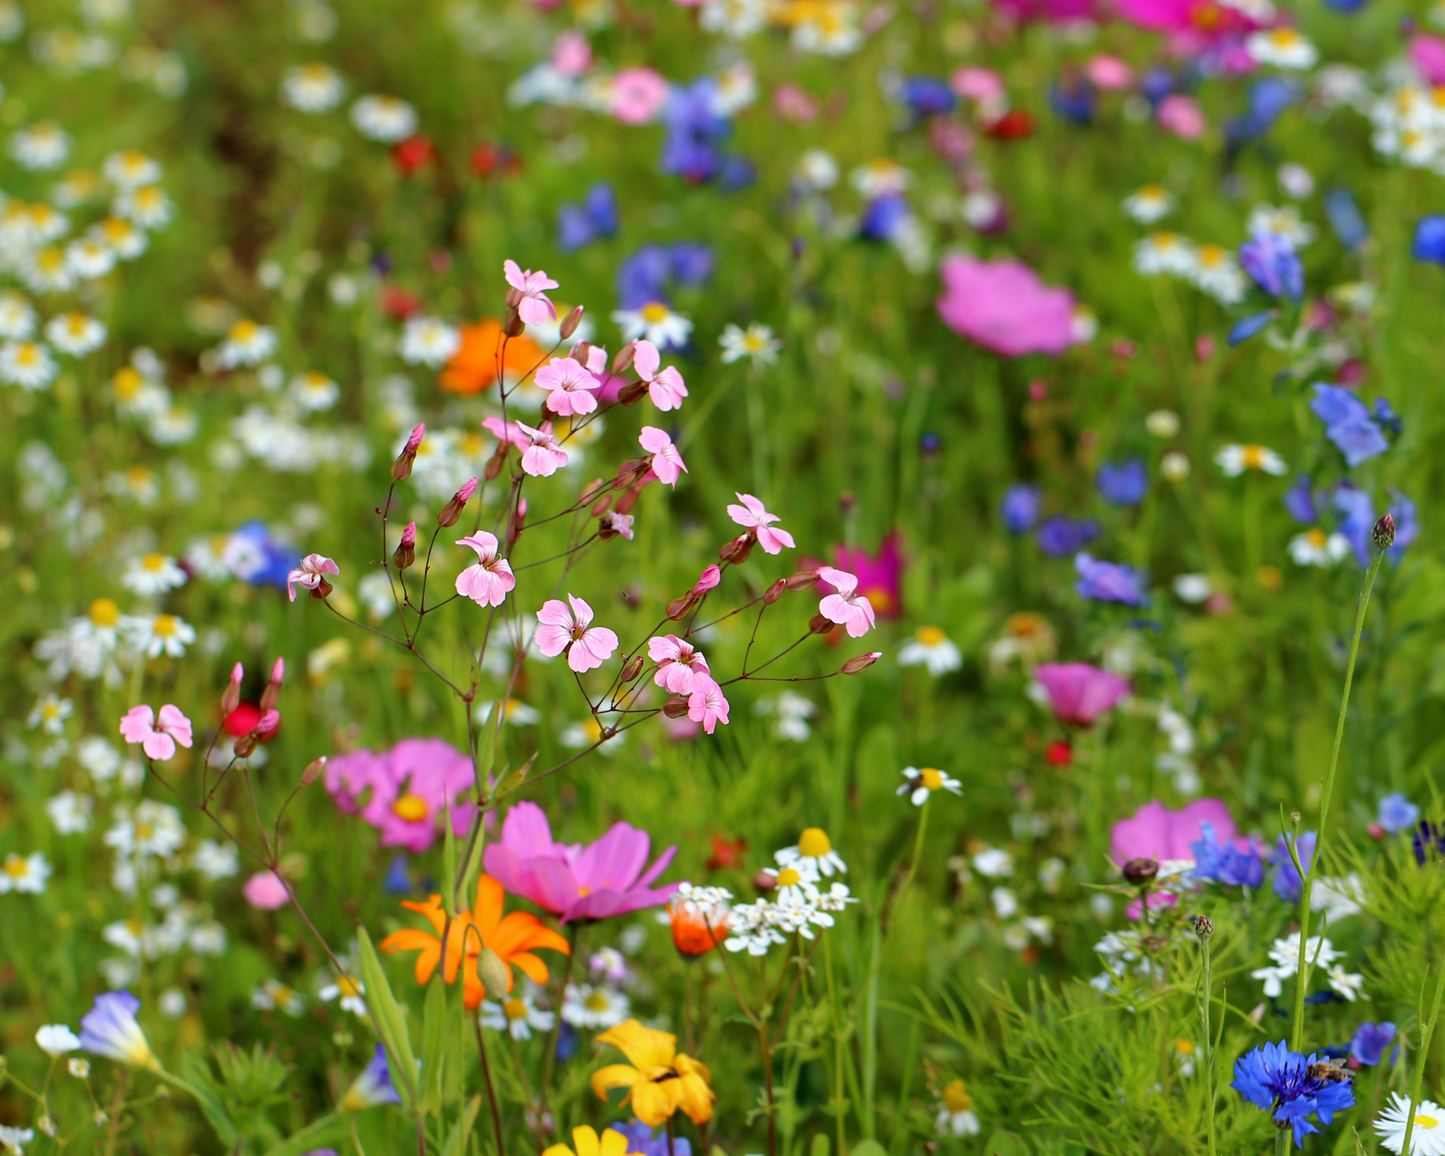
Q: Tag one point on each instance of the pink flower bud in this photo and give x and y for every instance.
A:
(707, 580)
(624, 357)
(570, 323)
(232, 695)
(861, 662)
(313, 770)
(401, 468)
(267, 725)
(775, 591)
(453, 509)
(273, 688)
(405, 553)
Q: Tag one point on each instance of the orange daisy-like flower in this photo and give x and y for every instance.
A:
(513, 938)
(660, 1078)
(474, 366)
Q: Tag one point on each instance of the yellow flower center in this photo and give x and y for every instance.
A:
(164, 626)
(104, 612)
(931, 636)
(472, 444)
(1152, 193)
(244, 331)
(50, 259)
(1316, 538)
(655, 311)
(813, 843)
(1253, 457)
(115, 229)
(127, 384)
(27, 354)
(75, 322)
(16, 867)
(1423, 1121)
(138, 477)
(148, 197)
(1284, 37)
(346, 987)
(754, 342)
(956, 1098)
(1163, 240)
(1211, 255)
(144, 830)
(50, 710)
(515, 1009)
(1184, 1047)
(597, 1001)
(411, 808)
(931, 778)
(281, 993)
(154, 563)
(788, 877)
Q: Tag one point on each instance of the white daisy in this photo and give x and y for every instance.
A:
(349, 991)
(152, 575)
(146, 206)
(276, 996)
(1283, 222)
(157, 635)
(131, 169)
(518, 1015)
(655, 322)
(1427, 1138)
(47, 271)
(589, 1006)
(75, 333)
(124, 240)
(69, 812)
(1235, 459)
(24, 874)
(89, 257)
(384, 118)
(314, 391)
(172, 427)
(27, 364)
(920, 783)
(1164, 253)
(1316, 548)
(45, 224)
(41, 146)
(880, 177)
(246, 343)
(50, 714)
(735, 19)
(1296, 180)
(813, 848)
(428, 341)
(17, 316)
(1282, 48)
(216, 860)
(932, 648)
(955, 1112)
(151, 829)
(756, 342)
(75, 188)
(312, 88)
(1217, 273)
(1149, 204)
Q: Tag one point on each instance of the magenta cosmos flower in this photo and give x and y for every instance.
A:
(760, 523)
(665, 386)
(667, 463)
(405, 792)
(487, 581)
(571, 385)
(845, 606)
(1080, 693)
(157, 737)
(880, 576)
(570, 629)
(1156, 832)
(1004, 307)
(535, 307)
(596, 881)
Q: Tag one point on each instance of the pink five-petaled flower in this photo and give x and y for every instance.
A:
(846, 606)
(487, 581)
(587, 646)
(1004, 307)
(1080, 693)
(706, 704)
(678, 664)
(535, 307)
(309, 574)
(752, 515)
(666, 388)
(571, 385)
(543, 457)
(157, 738)
(666, 461)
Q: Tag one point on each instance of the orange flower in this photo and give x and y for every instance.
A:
(474, 366)
(513, 938)
(691, 934)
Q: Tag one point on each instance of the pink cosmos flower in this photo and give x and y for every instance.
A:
(571, 385)
(1050, 11)
(1182, 116)
(587, 646)
(1155, 832)
(310, 573)
(1427, 54)
(678, 663)
(488, 580)
(880, 576)
(791, 103)
(571, 54)
(846, 607)
(665, 388)
(157, 738)
(638, 95)
(1108, 72)
(1195, 26)
(266, 891)
(349, 776)
(596, 881)
(981, 84)
(666, 461)
(420, 780)
(1004, 307)
(706, 704)
(543, 457)
(1080, 693)
(752, 515)
(535, 307)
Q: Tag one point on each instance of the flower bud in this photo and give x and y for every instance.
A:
(681, 606)
(600, 506)
(1140, 871)
(624, 357)
(765, 882)
(633, 668)
(492, 972)
(818, 624)
(405, 553)
(231, 697)
(802, 579)
(267, 725)
(516, 523)
(775, 591)
(737, 550)
(246, 744)
(675, 707)
(323, 590)
(496, 462)
(628, 500)
(1203, 926)
(515, 325)
(632, 393)
(514, 298)
(313, 769)
(453, 509)
(1383, 535)
(272, 693)
(580, 352)
(592, 489)
(861, 662)
(401, 468)
(569, 325)
(1294, 816)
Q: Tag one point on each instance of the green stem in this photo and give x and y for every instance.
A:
(1208, 1047)
(1426, 1031)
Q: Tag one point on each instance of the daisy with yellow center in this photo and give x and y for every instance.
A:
(1281, 48)
(955, 1111)
(813, 854)
(1235, 459)
(1427, 1136)
(654, 321)
(920, 782)
(1149, 204)
(1316, 548)
(932, 648)
(756, 342)
(349, 992)
(247, 343)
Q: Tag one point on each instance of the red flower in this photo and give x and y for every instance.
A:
(1016, 124)
(413, 153)
(726, 852)
(1059, 754)
(493, 160)
(398, 303)
(244, 719)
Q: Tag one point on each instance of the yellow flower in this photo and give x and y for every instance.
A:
(612, 1143)
(662, 1079)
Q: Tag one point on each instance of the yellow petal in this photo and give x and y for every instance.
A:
(686, 1066)
(613, 1076)
(643, 1046)
(558, 1150)
(694, 1097)
(585, 1140)
(651, 1104)
(614, 1143)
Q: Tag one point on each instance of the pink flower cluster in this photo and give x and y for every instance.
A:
(405, 792)
(682, 670)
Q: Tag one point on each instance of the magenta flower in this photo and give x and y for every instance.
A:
(1182, 116)
(602, 879)
(309, 575)
(1004, 307)
(759, 523)
(265, 891)
(638, 95)
(349, 776)
(543, 457)
(571, 385)
(506, 432)
(1427, 54)
(707, 580)
(879, 575)
(1080, 693)
(420, 780)
(157, 738)
(488, 580)
(1155, 832)
(845, 606)
(666, 461)
(706, 704)
(678, 664)
(666, 388)
(535, 307)
(587, 646)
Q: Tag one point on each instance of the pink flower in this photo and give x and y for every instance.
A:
(1427, 54)
(1080, 693)
(1051, 11)
(981, 84)
(266, 891)
(543, 457)
(791, 103)
(708, 579)
(1182, 116)
(535, 307)
(570, 384)
(349, 776)
(706, 704)
(1108, 72)
(1155, 832)
(414, 786)
(666, 461)
(487, 581)
(666, 388)
(595, 881)
(638, 95)
(678, 664)
(309, 574)
(759, 522)
(846, 607)
(506, 432)
(571, 54)
(588, 647)
(1004, 307)
(157, 739)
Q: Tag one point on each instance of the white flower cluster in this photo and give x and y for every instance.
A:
(1321, 953)
(1409, 126)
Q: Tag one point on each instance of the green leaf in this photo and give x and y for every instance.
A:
(390, 1021)
(868, 1148)
(456, 1144)
(433, 1040)
(317, 1134)
(821, 1145)
(513, 782)
(449, 870)
(199, 1082)
(1005, 1143)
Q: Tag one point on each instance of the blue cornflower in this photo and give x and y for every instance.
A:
(1345, 6)
(1020, 508)
(1357, 520)
(1224, 862)
(1073, 98)
(692, 262)
(1300, 502)
(883, 217)
(1124, 483)
(1268, 98)
(694, 130)
(642, 1142)
(1247, 327)
(397, 880)
(1385, 414)
(373, 1086)
(1348, 424)
(1407, 524)
(1109, 581)
(1429, 842)
(1060, 537)
(256, 557)
(1397, 813)
(1430, 239)
(1292, 1088)
(649, 273)
(1156, 84)
(580, 225)
(735, 173)
(1287, 881)
(927, 96)
(1370, 1041)
(1345, 218)
(1273, 265)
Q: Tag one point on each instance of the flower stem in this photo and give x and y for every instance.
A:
(1426, 1031)
(1205, 996)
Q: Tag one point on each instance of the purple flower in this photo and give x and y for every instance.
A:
(1397, 813)
(1278, 1080)
(1287, 881)
(1428, 839)
(642, 1142)
(373, 1086)
(1272, 263)
(883, 217)
(1235, 862)
(109, 1029)
(1370, 1041)
(1348, 424)
(596, 881)
(927, 96)
(1357, 520)
(1060, 537)
(1300, 502)
(1123, 484)
(1407, 524)
(1108, 581)
(1020, 508)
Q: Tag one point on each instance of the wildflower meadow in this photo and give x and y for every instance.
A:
(722, 577)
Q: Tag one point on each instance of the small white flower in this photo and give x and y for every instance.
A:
(932, 648)
(1217, 273)
(152, 575)
(427, 341)
(1296, 180)
(17, 316)
(1427, 1137)
(518, 1015)
(1281, 48)
(158, 634)
(1283, 222)
(314, 391)
(131, 169)
(1149, 204)
(69, 812)
(276, 996)
(247, 343)
(349, 992)
(24, 874)
(816, 168)
(313, 88)
(57, 1039)
(1164, 253)
(756, 342)
(1316, 548)
(146, 206)
(813, 849)
(994, 862)
(589, 1006)
(920, 783)
(50, 714)
(216, 860)
(15, 1139)
(654, 322)
(27, 364)
(955, 1112)
(384, 118)
(1235, 459)
(41, 146)
(879, 178)
(88, 258)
